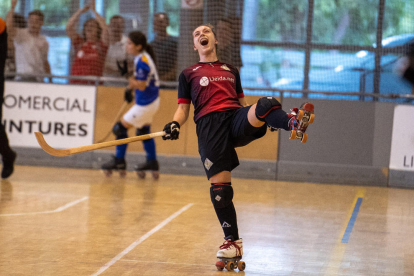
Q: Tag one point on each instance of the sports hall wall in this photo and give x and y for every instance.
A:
(349, 143)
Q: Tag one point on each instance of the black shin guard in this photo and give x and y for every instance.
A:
(269, 110)
(222, 198)
(278, 119)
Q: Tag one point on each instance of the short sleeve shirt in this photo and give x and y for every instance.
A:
(89, 58)
(30, 52)
(145, 71)
(211, 87)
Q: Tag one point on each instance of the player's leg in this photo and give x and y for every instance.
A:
(219, 158)
(221, 194)
(151, 163)
(120, 130)
(7, 154)
(269, 110)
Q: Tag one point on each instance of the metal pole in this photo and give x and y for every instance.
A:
(309, 27)
(378, 49)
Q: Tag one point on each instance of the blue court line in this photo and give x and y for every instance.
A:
(352, 220)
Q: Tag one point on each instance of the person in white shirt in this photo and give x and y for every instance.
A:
(117, 59)
(31, 48)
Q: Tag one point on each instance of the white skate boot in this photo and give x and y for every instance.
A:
(230, 255)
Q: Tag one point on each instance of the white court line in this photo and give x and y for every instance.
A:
(140, 240)
(60, 209)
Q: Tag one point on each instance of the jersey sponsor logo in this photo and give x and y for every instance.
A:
(224, 66)
(221, 79)
(204, 82)
(225, 225)
(196, 68)
(208, 163)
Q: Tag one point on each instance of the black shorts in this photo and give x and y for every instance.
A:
(219, 133)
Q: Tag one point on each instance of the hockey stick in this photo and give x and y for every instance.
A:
(70, 151)
(121, 110)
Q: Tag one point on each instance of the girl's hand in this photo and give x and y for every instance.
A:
(85, 9)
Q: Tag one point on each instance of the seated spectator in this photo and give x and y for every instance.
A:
(116, 62)
(10, 66)
(405, 66)
(165, 48)
(31, 48)
(228, 48)
(90, 48)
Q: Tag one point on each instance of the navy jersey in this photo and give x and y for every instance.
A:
(145, 71)
(211, 87)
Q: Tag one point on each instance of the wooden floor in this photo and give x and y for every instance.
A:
(78, 222)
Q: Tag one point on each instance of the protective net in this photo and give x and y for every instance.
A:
(282, 47)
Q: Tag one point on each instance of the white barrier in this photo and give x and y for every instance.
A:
(65, 114)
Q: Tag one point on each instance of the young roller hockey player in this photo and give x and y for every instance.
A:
(225, 121)
(145, 82)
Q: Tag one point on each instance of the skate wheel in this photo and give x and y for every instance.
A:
(107, 173)
(230, 266)
(220, 265)
(141, 174)
(292, 135)
(155, 175)
(241, 266)
(312, 117)
(304, 138)
(300, 115)
(122, 174)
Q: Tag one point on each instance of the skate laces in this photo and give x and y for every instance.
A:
(293, 122)
(228, 244)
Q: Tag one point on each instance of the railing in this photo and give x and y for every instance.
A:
(95, 80)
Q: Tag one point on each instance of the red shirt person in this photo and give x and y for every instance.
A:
(91, 47)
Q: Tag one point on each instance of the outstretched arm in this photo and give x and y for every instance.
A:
(73, 20)
(11, 30)
(102, 24)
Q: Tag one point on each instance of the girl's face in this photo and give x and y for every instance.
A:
(91, 31)
(204, 40)
(133, 49)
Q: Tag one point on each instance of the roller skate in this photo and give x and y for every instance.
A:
(230, 255)
(115, 164)
(301, 118)
(8, 164)
(150, 165)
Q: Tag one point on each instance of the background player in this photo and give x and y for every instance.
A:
(145, 82)
(7, 154)
(224, 122)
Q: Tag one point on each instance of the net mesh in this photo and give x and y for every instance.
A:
(281, 47)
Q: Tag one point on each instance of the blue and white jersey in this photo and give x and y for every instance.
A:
(145, 71)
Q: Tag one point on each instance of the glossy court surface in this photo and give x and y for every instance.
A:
(78, 222)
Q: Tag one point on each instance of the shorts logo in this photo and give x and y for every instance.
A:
(208, 164)
(225, 224)
(217, 198)
(204, 81)
(225, 67)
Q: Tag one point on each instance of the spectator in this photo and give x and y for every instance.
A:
(116, 62)
(165, 48)
(18, 22)
(228, 49)
(31, 48)
(91, 47)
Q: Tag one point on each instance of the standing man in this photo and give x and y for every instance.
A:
(165, 48)
(31, 47)
(7, 154)
(116, 62)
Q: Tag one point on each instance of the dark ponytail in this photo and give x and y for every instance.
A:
(139, 38)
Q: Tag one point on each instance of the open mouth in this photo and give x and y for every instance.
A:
(203, 41)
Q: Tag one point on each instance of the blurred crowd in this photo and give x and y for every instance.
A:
(98, 48)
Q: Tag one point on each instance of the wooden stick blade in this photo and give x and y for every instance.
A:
(45, 146)
(70, 151)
